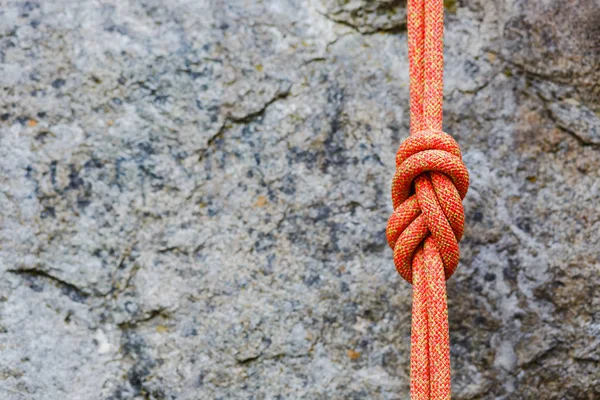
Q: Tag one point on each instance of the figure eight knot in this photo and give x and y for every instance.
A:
(427, 191)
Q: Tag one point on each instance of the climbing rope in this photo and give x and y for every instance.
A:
(427, 191)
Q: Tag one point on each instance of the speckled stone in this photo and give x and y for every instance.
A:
(194, 197)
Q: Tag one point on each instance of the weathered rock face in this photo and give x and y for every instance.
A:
(194, 199)
(368, 16)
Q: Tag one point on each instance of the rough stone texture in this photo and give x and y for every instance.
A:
(194, 197)
(368, 16)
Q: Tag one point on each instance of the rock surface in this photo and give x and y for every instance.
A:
(194, 197)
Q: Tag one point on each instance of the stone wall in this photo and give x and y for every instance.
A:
(193, 199)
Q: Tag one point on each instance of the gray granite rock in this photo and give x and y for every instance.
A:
(367, 16)
(194, 198)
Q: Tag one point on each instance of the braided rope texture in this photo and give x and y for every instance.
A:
(427, 191)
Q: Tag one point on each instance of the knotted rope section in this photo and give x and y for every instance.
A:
(427, 191)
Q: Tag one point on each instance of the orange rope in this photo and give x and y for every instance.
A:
(427, 191)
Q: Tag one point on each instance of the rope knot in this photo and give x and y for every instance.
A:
(427, 191)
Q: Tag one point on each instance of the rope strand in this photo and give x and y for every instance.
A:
(427, 192)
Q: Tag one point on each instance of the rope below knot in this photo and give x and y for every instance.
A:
(427, 191)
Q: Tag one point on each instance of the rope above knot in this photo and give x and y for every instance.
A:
(427, 191)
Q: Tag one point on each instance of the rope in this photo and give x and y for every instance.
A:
(427, 191)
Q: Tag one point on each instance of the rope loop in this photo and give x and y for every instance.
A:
(427, 191)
